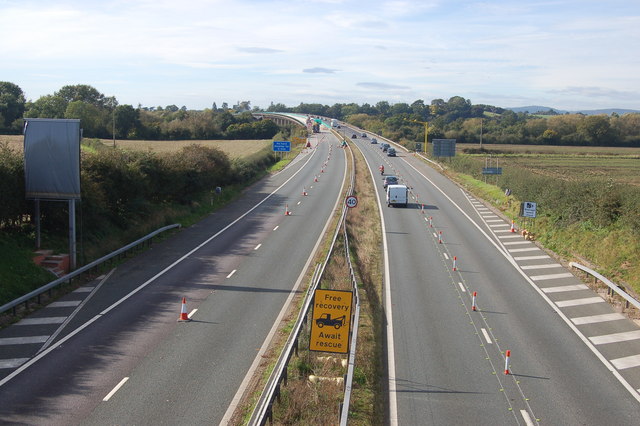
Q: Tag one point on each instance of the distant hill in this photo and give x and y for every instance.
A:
(537, 109)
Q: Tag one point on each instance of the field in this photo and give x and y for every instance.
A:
(233, 148)
(568, 163)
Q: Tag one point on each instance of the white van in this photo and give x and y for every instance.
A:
(397, 195)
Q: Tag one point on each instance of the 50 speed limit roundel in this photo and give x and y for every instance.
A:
(351, 201)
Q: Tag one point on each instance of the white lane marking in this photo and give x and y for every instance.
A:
(464, 290)
(258, 246)
(527, 418)
(67, 304)
(551, 276)
(26, 340)
(231, 274)
(435, 235)
(494, 220)
(192, 313)
(41, 321)
(562, 288)
(544, 256)
(12, 362)
(114, 390)
(615, 337)
(592, 319)
(83, 290)
(515, 243)
(579, 302)
(543, 266)
(486, 336)
(446, 256)
(299, 202)
(524, 249)
(626, 362)
(505, 237)
(276, 228)
(502, 231)
(497, 225)
(259, 359)
(487, 216)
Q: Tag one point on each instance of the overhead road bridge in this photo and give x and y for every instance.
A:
(283, 119)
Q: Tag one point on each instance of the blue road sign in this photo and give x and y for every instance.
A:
(281, 146)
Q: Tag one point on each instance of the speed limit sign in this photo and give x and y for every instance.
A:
(351, 201)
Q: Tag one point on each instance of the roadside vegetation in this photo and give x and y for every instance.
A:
(125, 194)
(587, 204)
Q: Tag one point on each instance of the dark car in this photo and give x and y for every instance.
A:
(391, 152)
(390, 180)
(374, 140)
(364, 135)
(385, 147)
(354, 136)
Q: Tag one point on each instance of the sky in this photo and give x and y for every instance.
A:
(565, 54)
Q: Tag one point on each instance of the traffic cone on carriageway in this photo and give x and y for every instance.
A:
(286, 210)
(183, 312)
(304, 191)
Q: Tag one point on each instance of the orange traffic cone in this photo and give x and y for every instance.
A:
(513, 226)
(286, 210)
(183, 312)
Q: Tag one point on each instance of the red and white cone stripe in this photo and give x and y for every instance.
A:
(506, 362)
(183, 312)
(513, 226)
(473, 301)
(455, 258)
(440, 237)
(286, 210)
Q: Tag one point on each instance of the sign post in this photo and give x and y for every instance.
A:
(331, 321)
(351, 201)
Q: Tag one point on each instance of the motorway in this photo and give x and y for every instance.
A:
(121, 356)
(446, 361)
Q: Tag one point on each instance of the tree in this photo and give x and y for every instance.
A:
(90, 117)
(12, 104)
(48, 106)
(82, 92)
(597, 130)
(127, 120)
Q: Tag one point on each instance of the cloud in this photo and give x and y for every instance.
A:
(596, 92)
(320, 70)
(259, 50)
(382, 86)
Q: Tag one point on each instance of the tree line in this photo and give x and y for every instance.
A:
(103, 117)
(456, 118)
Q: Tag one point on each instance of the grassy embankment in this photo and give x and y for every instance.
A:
(594, 226)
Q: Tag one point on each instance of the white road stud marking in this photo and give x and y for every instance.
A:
(562, 288)
(579, 302)
(592, 319)
(114, 390)
(231, 274)
(615, 337)
(486, 336)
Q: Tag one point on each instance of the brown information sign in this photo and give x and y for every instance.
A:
(331, 321)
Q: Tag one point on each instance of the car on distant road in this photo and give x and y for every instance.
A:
(364, 135)
(354, 136)
(374, 140)
(391, 152)
(389, 180)
(385, 147)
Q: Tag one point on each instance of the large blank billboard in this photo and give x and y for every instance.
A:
(52, 158)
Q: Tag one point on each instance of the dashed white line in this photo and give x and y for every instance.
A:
(41, 321)
(231, 274)
(67, 304)
(592, 319)
(562, 288)
(551, 276)
(276, 227)
(192, 313)
(486, 336)
(26, 340)
(626, 362)
(464, 290)
(543, 266)
(527, 418)
(530, 257)
(446, 256)
(615, 337)
(12, 362)
(579, 302)
(514, 243)
(299, 202)
(114, 390)
(258, 246)
(524, 249)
